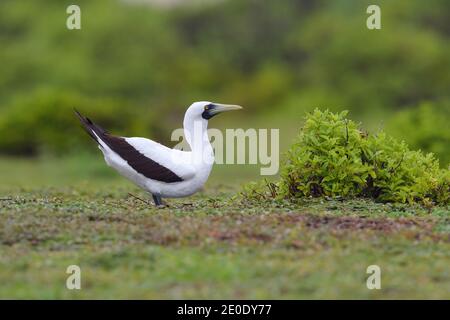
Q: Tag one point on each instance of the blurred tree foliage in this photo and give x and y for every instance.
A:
(43, 121)
(134, 61)
(426, 127)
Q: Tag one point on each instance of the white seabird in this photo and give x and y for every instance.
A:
(159, 170)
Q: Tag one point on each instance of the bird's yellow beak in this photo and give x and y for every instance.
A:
(219, 107)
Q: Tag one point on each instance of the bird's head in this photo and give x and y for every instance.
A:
(206, 110)
(196, 120)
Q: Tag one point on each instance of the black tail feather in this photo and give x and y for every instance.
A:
(90, 127)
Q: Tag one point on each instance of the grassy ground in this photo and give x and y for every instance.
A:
(55, 213)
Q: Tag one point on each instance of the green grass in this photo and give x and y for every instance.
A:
(58, 212)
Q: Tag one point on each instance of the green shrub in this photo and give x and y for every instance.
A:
(402, 175)
(333, 157)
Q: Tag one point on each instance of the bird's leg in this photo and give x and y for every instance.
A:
(157, 200)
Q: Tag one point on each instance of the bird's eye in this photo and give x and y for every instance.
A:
(207, 107)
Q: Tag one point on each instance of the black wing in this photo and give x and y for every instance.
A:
(139, 162)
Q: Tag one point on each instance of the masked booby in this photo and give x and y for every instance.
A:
(161, 171)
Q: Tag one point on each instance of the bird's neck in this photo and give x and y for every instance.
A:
(196, 134)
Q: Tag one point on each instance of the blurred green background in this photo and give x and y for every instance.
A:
(135, 66)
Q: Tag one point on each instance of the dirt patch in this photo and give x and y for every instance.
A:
(296, 230)
(363, 223)
(278, 229)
